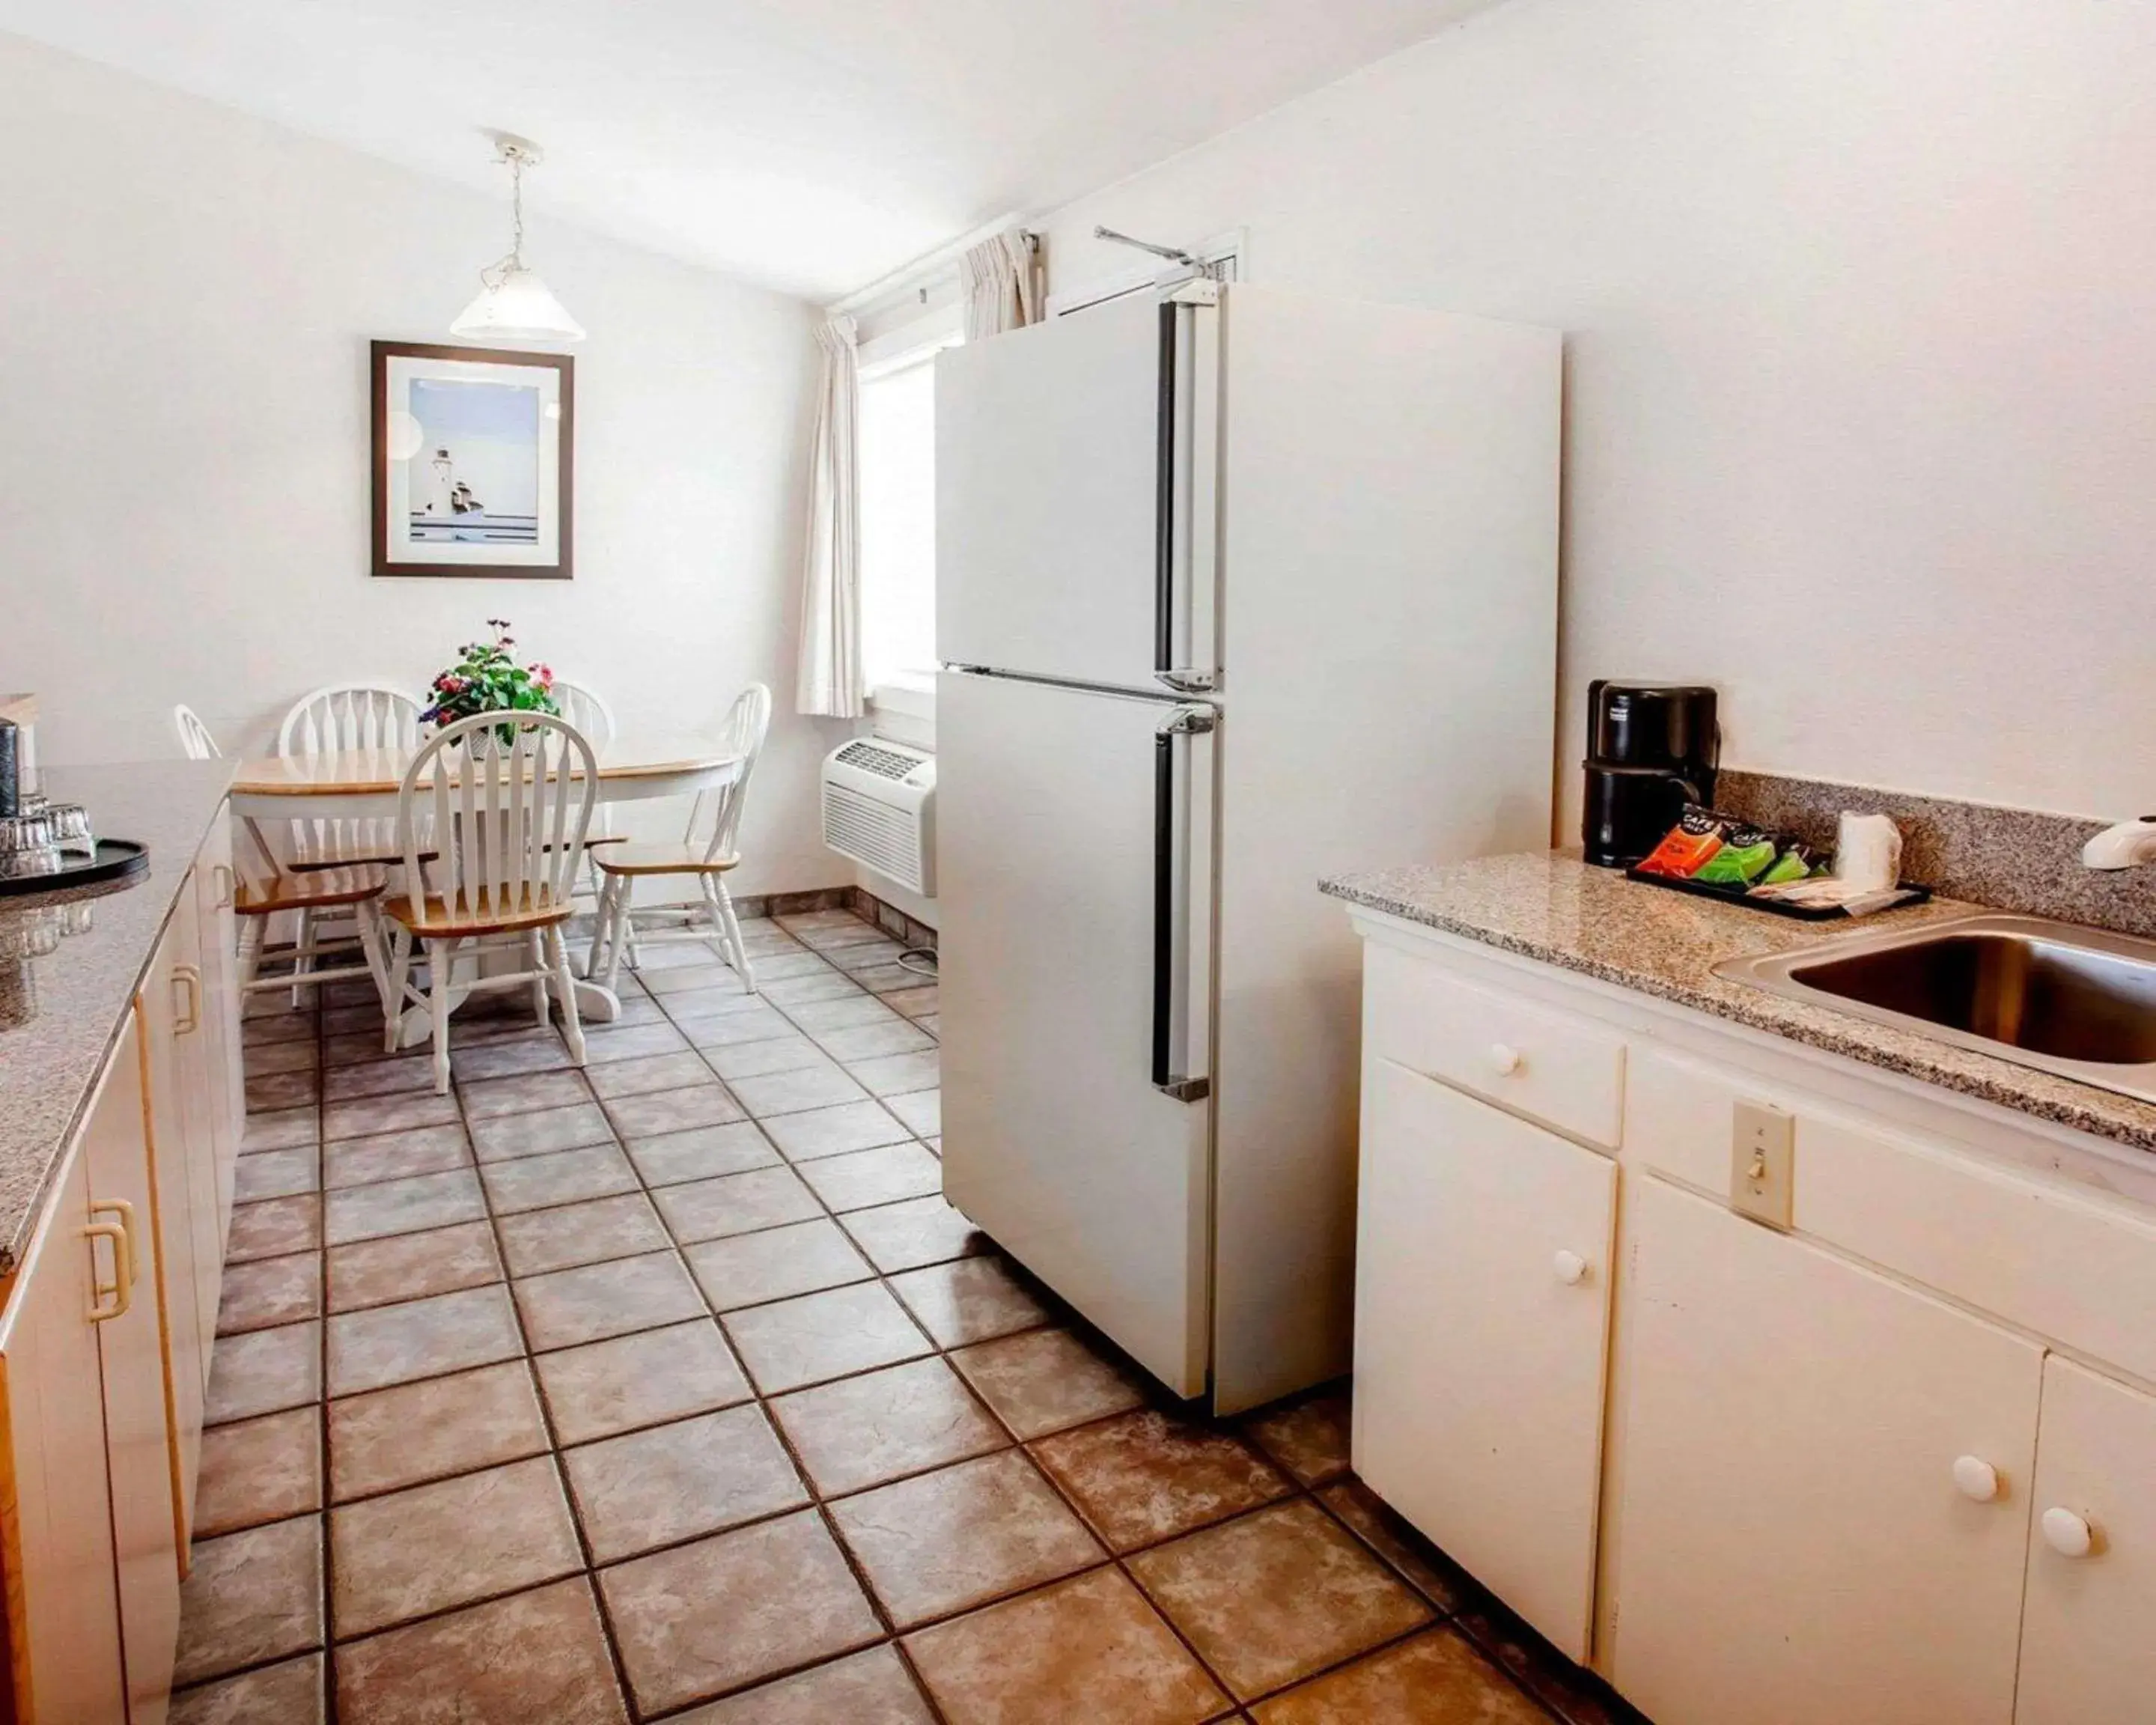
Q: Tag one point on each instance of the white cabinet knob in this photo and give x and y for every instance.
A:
(1571, 1269)
(1975, 1478)
(2068, 1534)
(1504, 1058)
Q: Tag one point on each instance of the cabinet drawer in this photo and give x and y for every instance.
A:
(2075, 1266)
(1562, 1070)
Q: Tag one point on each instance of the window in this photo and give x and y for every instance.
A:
(897, 454)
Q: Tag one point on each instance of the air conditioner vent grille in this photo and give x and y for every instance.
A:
(887, 840)
(873, 758)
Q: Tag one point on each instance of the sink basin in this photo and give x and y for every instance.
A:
(2078, 1001)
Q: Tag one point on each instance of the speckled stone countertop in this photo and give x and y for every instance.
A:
(62, 1010)
(1554, 907)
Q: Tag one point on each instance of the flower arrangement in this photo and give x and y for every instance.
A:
(487, 678)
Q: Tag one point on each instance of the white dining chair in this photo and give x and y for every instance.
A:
(586, 709)
(196, 742)
(709, 851)
(508, 821)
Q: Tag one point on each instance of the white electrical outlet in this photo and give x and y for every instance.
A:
(1763, 1158)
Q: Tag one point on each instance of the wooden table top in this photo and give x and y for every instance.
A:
(361, 772)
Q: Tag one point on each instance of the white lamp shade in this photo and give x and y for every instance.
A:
(519, 308)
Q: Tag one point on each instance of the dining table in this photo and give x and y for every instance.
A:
(296, 798)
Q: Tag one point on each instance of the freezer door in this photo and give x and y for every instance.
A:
(1074, 999)
(1074, 474)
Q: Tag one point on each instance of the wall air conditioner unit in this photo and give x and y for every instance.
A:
(879, 810)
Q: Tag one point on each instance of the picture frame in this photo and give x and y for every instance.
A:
(473, 461)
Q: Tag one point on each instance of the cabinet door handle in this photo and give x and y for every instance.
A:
(1976, 1479)
(1571, 1269)
(109, 1300)
(125, 1211)
(188, 1019)
(1505, 1060)
(2068, 1534)
(221, 874)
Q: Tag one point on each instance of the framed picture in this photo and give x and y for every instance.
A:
(472, 461)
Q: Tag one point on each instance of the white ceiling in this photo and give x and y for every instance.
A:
(810, 145)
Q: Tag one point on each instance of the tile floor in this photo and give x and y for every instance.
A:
(672, 1389)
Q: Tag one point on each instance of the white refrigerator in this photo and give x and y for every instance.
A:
(1235, 587)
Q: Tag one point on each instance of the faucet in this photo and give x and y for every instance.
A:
(2126, 845)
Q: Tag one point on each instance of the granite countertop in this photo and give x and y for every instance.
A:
(1553, 907)
(61, 1010)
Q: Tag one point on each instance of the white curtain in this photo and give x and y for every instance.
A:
(830, 682)
(1002, 289)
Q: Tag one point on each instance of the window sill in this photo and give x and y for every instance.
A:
(904, 697)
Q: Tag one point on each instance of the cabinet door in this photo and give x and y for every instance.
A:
(217, 935)
(2088, 1652)
(182, 1215)
(1792, 1546)
(55, 1503)
(1481, 1306)
(137, 1430)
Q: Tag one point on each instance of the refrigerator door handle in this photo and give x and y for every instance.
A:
(1171, 965)
(1181, 538)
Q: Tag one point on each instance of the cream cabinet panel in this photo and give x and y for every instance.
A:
(217, 936)
(56, 1513)
(1798, 1541)
(2088, 1648)
(1481, 1312)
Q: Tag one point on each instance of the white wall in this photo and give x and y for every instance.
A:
(1862, 415)
(185, 299)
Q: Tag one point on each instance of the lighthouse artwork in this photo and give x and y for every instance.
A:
(472, 448)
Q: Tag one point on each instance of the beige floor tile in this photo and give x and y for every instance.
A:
(536, 1658)
(531, 1182)
(670, 1483)
(280, 1130)
(588, 1304)
(1430, 1572)
(735, 1204)
(509, 1135)
(916, 1232)
(673, 1111)
(251, 1598)
(863, 1042)
(424, 1550)
(1083, 1653)
(395, 1156)
(869, 1688)
(970, 1300)
(411, 1266)
(1573, 1695)
(385, 1077)
(509, 1058)
(961, 1536)
(607, 1045)
(589, 1233)
(871, 1177)
(793, 1343)
(700, 1154)
(818, 1133)
(278, 1174)
(749, 1269)
(899, 1075)
(389, 1439)
(421, 1339)
(1045, 1380)
(370, 1116)
(298, 1053)
(275, 1090)
(1436, 1679)
(1277, 1595)
(862, 1431)
(818, 1016)
(1146, 1476)
(715, 1029)
(703, 1619)
(275, 1228)
(607, 1386)
(413, 1206)
(681, 1069)
(527, 1093)
(263, 1372)
(269, 1292)
(286, 1694)
(259, 1470)
(824, 1085)
(1308, 1436)
(781, 1053)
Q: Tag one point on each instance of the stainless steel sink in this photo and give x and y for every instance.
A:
(2078, 1001)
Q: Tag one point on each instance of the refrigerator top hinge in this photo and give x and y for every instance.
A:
(1187, 722)
(1201, 290)
(1187, 680)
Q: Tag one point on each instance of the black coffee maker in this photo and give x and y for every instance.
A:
(1651, 748)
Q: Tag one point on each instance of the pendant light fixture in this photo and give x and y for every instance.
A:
(513, 304)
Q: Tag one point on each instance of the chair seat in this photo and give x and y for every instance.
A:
(436, 918)
(314, 891)
(660, 860)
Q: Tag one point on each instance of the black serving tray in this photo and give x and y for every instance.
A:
(1772, 906)
(118, 861)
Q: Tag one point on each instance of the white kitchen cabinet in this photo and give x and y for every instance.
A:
(1482, 1319)
(2088, 1643)
(1806, 1536)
